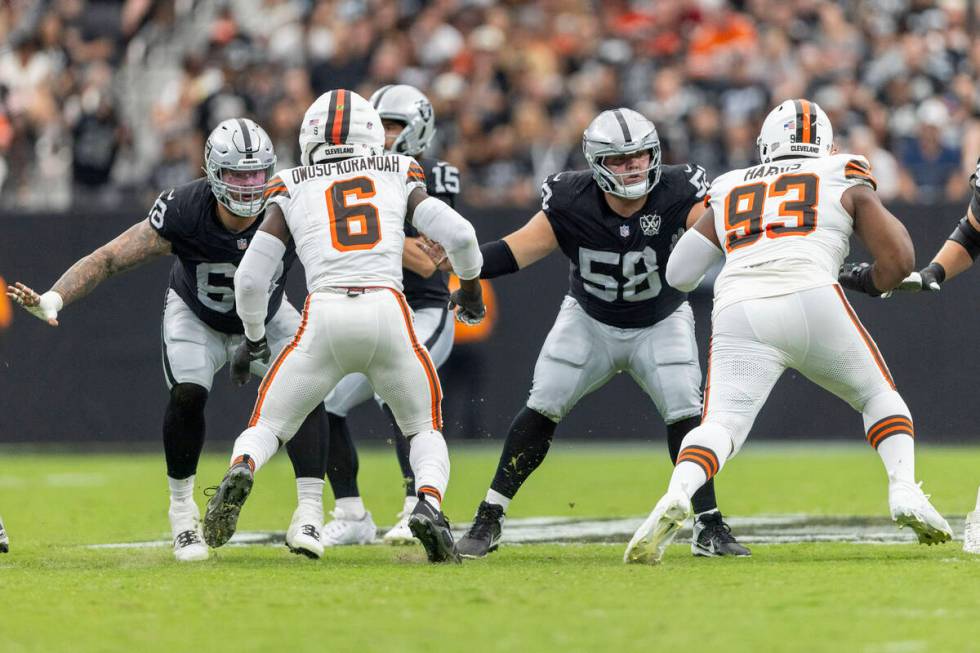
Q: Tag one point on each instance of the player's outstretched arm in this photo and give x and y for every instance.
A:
(135, 246)
(694, 254)
(254, 275)
(884, 236)
(955, 256)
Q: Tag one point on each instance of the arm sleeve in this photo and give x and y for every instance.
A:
(443, 224)
(692, 257)
(498, 260)
(253, 280)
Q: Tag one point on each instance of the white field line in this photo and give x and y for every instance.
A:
(765, 529)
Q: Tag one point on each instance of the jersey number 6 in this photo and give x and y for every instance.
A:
(745, 205)
(353, 226)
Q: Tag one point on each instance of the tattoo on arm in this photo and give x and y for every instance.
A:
(135, 246)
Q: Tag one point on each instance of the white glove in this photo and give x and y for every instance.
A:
(43, 307)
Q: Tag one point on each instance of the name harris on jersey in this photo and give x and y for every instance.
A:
(347, 166)
(767, 169)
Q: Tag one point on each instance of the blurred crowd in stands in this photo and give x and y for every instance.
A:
(102, 101)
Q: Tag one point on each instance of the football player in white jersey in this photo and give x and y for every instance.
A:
(345, 208)
(783, 228)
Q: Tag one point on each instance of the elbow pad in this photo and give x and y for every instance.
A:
(253, 280)
(498, 260)
(966, 235)
(440, 222)
(692, 257)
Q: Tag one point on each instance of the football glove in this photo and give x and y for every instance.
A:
(928, 279)
(43, 307)
(245, 354)
(857, 276)
(471, 309)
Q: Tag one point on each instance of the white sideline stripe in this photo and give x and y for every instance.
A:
(763, 529)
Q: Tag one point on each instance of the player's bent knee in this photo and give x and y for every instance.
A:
(187, 397)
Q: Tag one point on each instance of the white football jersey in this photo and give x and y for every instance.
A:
(781, 225)
(347, 218)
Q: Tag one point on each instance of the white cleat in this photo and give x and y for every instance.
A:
(400, 534)
(910, 507)
(303, 536)
(185, 527)
(652, 537)
(971, 534)
(4, 540)
(344, 529)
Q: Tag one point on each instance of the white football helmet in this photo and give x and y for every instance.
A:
(795, 128)
(409, 106)
(621, 131)
(238, 160)
(340, 124)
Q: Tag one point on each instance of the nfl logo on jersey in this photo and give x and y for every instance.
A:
(624, 230)
(650, 224)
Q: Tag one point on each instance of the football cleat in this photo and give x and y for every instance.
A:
(185, 528)
(660, 528)
(4, 540)
(971, 532)
(430, 527)
(303, 535)
(344, 529)
(910, 507)
(221, 516)
(484, 535)
(713, 538)
(400, 533)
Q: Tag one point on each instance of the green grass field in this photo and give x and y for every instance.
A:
(60, 595)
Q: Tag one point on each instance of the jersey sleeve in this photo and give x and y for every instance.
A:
(697, 179)
(164, 215)
(277, 192)
(857, 170)
(414, 177)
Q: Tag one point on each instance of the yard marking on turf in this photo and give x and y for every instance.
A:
(763, 529)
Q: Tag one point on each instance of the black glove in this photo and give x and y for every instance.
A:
(857, 276)
(245, 354)
(471, 309)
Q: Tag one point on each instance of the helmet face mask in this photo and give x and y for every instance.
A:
(338, 125)
(410, 107)
(622, 132)
(795, 128)
(239, 159)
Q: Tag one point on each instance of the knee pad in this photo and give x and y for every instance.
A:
(886, 414)
(188, 398)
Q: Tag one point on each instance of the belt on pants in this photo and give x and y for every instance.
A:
(353, 291)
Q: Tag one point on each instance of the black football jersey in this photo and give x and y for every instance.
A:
(441, 182)
(207, 254)
(617, 264)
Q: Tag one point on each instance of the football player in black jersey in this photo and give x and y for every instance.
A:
(207, 225)
(409, 123)
(616, 223)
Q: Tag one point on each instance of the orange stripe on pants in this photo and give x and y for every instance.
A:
(271, 374)
(423, 355)
(872, 347)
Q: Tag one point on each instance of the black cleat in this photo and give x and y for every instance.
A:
(430, 527)
(4, 542)
(484, 535)
(713, 538)
(221, 517)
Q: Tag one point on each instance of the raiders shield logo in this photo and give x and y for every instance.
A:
(624, 230)
(650, 224)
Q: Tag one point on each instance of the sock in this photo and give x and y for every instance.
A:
(687, 478)
(259, 443)
(409, 504)
(430, 461)
(402, 449)
(702, 455)
(526, 446)
(704, 499)
(309, 493)
(342, 462)
(352, 507)
(430, 495)
(888, 428)
(181, 490)
(308, 448)
(898, 455)
(497, 499)
(183, 429)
